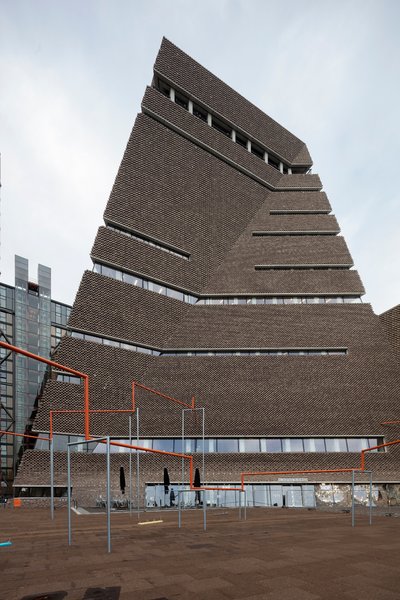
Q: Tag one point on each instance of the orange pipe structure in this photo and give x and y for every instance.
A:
(62, 411)
(190, 457)
(86, 411)
(25, 435)
(160, 394)
(375, 448)
(56, 365)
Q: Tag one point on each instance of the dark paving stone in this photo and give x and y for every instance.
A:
(292, 555)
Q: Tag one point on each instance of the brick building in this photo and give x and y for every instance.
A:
(220, 272)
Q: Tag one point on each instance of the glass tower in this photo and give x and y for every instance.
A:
(30, 320)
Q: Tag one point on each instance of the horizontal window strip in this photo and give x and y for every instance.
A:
(227, 130)
(259, 352)
(163, 290)
(227, 445)
(89, 337)
(149, 241)
(298, 267)
(97, 339)
(68, 378)
(286, 233)
(299, 212)
(141, 282)
(349, 299)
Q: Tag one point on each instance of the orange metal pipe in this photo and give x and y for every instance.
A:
(122, 445)
(157, 393)
(41, 359)
(56, 365)
(64, 411)
(375, 448)
(33, 437)
(86, 403)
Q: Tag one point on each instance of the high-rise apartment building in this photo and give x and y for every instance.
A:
(220, 272)
(29, 319)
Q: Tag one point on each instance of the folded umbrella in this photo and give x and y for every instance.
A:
(122, 479)
(166, 480)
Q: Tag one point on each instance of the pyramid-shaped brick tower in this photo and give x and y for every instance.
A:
(220, 273)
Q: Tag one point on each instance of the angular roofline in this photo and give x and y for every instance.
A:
(301, 158)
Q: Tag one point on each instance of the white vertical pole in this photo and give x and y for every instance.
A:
(233, 135)
(172, 94)
(69, 494)
(108, 498)
(137, 464)
(248, 145)
(130, 466)
(190, 106)
(204, 511)
(352, 500)
(209, 119)
(182, 459)
(370, 498)
(204, 463)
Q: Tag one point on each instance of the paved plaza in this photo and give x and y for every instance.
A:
(276, 554)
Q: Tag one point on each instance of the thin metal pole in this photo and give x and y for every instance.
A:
(51, 479)
(180, 494)
(182, 450)
(130, 466)
(245, 505)
(370, 498)
(240, 505)
(204, 511)
(137, 464)
(352, 500)
(203, 431)
(108, 498)
(69, 494)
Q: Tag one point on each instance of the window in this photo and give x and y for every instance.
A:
(108, 272)
(181, 100)
(221, 127)
(314, 445)
(145, 284)
(199, 112)
(273, 162)
(68, 378)
(336, 445)
(227, 445)
(175, 294)
(272, 445)
(241, 140)
(165, 445)
(257, 151)
(292, 445)
(249, 445)
(164, 88)
(356, 445)
(209, 445)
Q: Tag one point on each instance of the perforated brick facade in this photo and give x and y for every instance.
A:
(185, 186)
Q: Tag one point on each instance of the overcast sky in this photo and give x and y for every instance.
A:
(73, 73)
